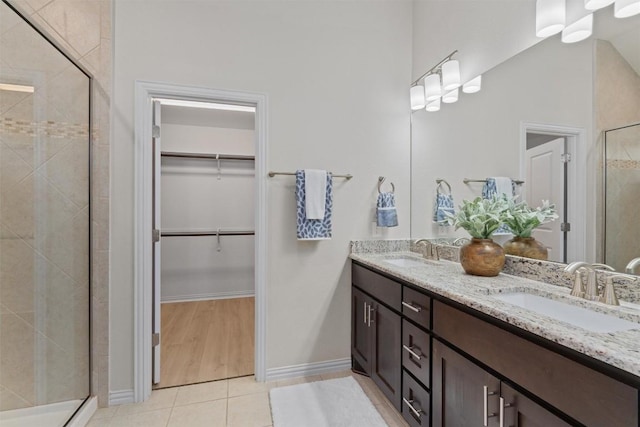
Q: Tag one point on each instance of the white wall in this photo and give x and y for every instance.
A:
(479, 136)
(196, 197)
(485, 33)
(336, 74)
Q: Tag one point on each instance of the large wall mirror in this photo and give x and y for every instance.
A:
(553, 98)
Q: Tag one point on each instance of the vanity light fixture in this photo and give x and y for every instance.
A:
(472, 86)
(579, 30)
(550, 17)
(451, 75)
(596, 4)
(626, 8)
(432, 86)
(417, 97)
(451, 96)
(433, 106)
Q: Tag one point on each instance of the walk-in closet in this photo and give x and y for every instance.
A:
(204, 250)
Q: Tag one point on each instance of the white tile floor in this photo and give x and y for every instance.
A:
(239, 402)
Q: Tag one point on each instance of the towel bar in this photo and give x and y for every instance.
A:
(467, 180)
(345, 176)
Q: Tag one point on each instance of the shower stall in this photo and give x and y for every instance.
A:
(44, 228)
(621, 195)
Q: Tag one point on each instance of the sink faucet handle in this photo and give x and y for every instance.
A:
(601, 266)
(591, 291)
(578, 285)
(609, 294)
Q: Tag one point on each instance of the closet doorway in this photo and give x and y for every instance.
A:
(203, 220)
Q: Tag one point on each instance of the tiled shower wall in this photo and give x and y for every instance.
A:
(83, 29)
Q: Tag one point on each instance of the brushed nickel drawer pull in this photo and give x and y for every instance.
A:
(409, 403)
(371, 310)
(502, 406)
(486, 393)
(412, 307)
(411, 352)
(365, 311)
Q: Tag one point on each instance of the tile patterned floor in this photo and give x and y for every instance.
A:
(238, 402)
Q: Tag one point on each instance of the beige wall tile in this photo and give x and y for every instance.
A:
(17, 348)
(9, 400)
(78, 22)
(207, 414)
(68, 171)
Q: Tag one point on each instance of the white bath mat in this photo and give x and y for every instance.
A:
(332, 403)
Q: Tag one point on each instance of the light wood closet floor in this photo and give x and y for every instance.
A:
(206, 341)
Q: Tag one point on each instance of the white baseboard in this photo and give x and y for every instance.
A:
(308, 369)
(121, 397)
(84, 414)
(208, 296)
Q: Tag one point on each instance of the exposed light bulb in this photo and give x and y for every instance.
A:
(417, 97)
(550, 17)
(579, 30)
(472, 86)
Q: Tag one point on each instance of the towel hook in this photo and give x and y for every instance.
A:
(381, 180)
(440, 181)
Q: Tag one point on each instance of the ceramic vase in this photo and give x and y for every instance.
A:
(482, 257)
(526, 247)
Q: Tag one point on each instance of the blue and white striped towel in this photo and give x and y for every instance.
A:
(313, 229)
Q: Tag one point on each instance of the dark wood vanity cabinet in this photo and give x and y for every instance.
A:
(465, 395)
(445, 365)
(376, 331)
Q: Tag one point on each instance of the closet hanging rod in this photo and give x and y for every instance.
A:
(467, 180)
(207, 233)
(206, 156)
(345, 176)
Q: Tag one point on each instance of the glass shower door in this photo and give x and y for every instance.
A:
(44, 228)
(622, 193)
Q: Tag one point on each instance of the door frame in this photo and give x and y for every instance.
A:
(577, 176)
(145, 91)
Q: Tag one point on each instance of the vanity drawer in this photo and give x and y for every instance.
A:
(415, 402)
(416, 306)
(385, 290)
(588, 396)
(415, 351)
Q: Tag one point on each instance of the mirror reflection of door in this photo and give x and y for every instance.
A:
(546, 180)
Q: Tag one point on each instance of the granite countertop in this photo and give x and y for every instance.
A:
(619, 349)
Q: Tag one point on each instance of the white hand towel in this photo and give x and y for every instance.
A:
(315, 182)
(503, 186)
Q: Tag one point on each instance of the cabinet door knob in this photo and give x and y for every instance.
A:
(411, 352)
(412, 307)
(485, 394)
(409, 403)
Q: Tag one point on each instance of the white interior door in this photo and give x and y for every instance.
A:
(157, 240)
(545, 181)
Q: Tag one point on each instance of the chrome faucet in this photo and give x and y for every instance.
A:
(633, 264)
(430, 245)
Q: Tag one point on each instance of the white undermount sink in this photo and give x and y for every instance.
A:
(405, 261)
(578, 316)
